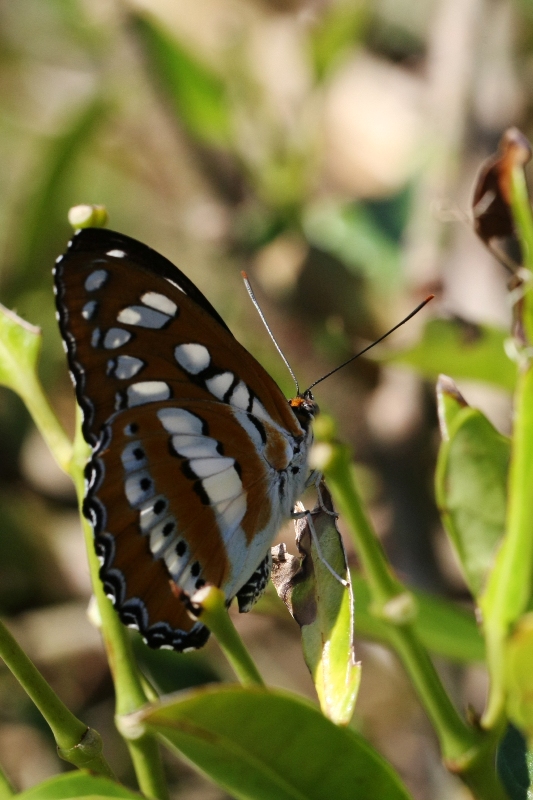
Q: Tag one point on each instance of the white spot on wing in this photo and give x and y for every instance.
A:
(204, 467)
(195, 446)
(160, 541)
(224, 486)
(96, 280)
(139, 487)
(176, 564)
(230, 514)
(116, 337)
(240, 396)
(147, 392)
(88, 309)
(95, 337)
(220, 384)
(133, 456)
(259, 411)
(193, 358)
(124, 367)
(142, 316)
(116, 253)
(178, 420)
(148, 517)
(160, 302)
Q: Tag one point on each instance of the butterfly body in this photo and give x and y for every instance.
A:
(198, 457)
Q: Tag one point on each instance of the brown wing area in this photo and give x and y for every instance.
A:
(126, 281)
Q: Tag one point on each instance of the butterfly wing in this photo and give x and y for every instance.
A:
(197, 456)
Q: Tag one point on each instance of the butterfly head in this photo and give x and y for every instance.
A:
(305, 408)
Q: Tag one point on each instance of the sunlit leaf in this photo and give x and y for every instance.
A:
(259, 744)
(461, 350)
(80, 785)
(20, 344)
(449, 403)
(323, 608)
(195, 93)
(471, 489)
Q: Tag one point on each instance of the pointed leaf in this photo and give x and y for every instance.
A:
(80, 785)
(260, 744)
(449, 402)
(20, 345)
(462, 350)
(323, 608)
(471, 488)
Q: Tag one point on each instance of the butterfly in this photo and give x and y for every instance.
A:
(197, 456)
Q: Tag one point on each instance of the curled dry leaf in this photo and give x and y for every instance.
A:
(493, 220)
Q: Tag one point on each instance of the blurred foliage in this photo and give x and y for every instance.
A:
(210, 134)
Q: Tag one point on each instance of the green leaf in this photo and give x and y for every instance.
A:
(461, 350)
(260, 744)
(441, 626)
(515, 765)
(471, 489)
(77, 784)
(196, 94)
(20, 345)
(519, 675)
(323, 608)
(449, 403)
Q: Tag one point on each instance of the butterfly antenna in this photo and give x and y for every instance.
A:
(265, 323)
(407, 318)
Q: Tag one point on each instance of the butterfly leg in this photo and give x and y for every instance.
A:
(256, 584)
(309, 517)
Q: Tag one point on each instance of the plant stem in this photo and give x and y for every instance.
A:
(76, 743)
(46, 421)
(509, 585)
(215, 615)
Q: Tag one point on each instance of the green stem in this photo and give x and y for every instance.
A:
(46, 421)
(458, 741)
(76, 743)
(215, 615)
(6, 789)
(521, 209)
(146, 758)
(130, 695)
(509, 585)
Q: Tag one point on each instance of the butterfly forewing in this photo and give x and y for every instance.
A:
(194, 443)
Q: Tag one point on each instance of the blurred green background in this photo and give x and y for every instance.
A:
(329, 148)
